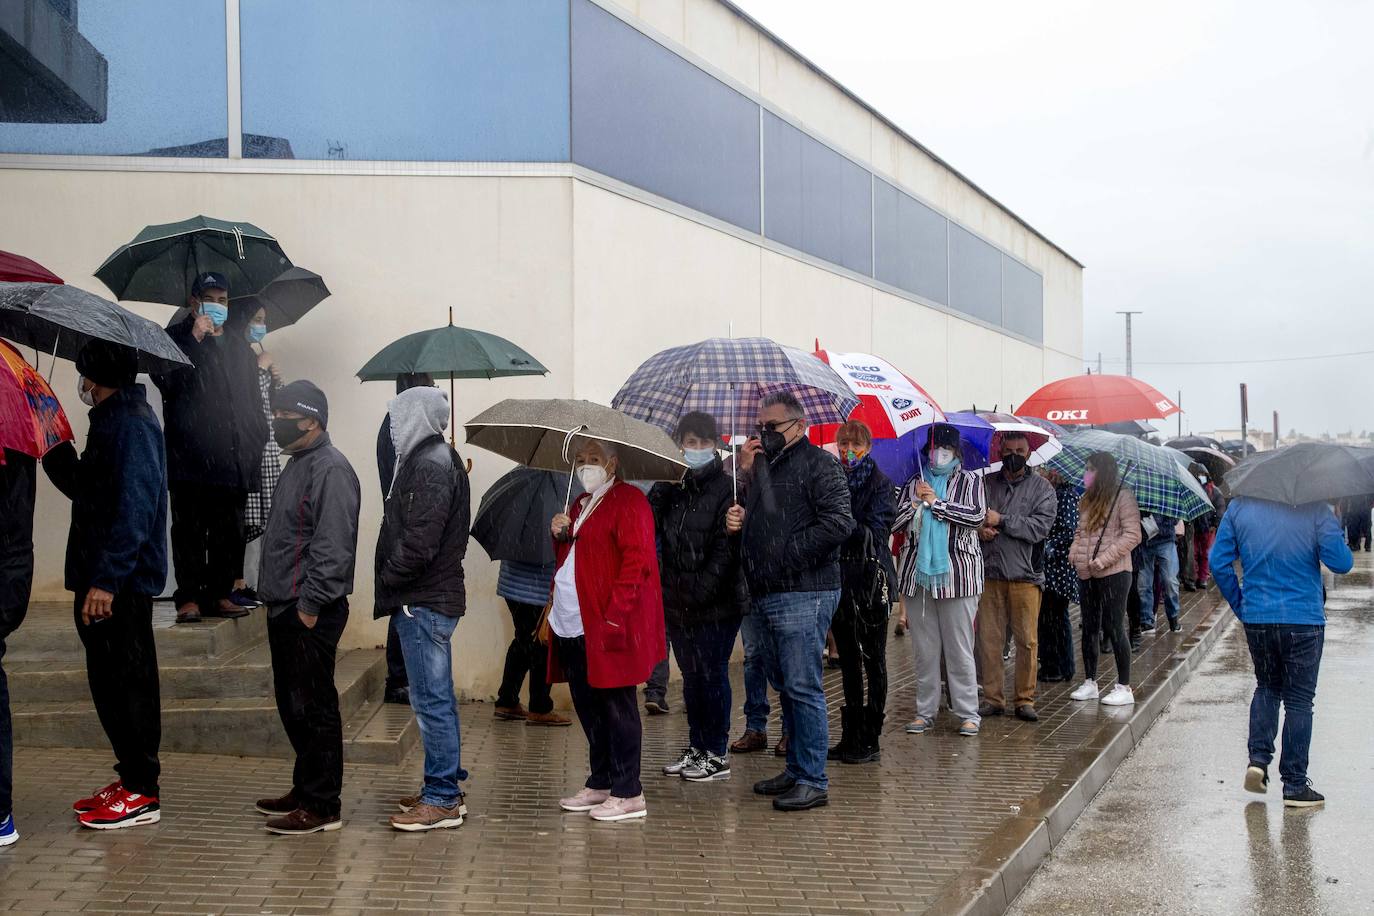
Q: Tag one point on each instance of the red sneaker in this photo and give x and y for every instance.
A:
(99, 800)
(126, 809)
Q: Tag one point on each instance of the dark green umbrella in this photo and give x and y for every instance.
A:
(162, 261)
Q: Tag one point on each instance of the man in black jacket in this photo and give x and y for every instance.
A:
(796, 516)
(419, 582)
(309, 549)
(116, 565)
(215, 435)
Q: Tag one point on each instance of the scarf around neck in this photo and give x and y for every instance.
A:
(932, 556)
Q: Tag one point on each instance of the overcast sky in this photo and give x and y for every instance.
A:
(1211, 163)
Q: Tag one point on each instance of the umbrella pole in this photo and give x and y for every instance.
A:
(452, 430)
(53, 364)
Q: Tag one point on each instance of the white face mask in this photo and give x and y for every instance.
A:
(592, 476)
(943, 456)
(87, 395)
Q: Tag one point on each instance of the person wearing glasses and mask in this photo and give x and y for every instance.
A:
(796, 516)
(606, 626)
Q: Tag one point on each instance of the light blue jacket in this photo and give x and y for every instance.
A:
(1281, 550)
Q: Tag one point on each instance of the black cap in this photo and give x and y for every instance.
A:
(107, 364)
(945, 436)
(209, 280)
(304, 398)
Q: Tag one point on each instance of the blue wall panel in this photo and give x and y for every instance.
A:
(910, 244)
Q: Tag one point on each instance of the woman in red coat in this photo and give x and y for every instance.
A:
(607, 627)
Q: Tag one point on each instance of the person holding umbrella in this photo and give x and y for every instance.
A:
(249, 318)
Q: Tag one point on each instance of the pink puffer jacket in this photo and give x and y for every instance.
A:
(1123, 534)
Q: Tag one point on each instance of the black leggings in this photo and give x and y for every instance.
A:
(1104, 610)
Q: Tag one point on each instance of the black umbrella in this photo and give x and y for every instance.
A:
(512, 522)
(61, 319)
(1308, 472)
(1186, 442)
(287, 298)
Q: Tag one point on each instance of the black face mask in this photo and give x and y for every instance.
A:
(773, 443)
(1014, 463)
(286, 431)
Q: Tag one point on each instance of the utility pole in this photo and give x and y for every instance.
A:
(1180, 413)
(1128, 340)
(1276, 429)
(1099, 362)
(1244, 420)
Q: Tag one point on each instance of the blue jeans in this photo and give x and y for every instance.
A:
(793, 626)
(756, 706)
(1286, 658)
(703, 655)
(1164, 558)
(426, 643)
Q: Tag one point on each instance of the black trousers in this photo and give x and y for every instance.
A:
(121, 666)
(862, 641)
(1056, 637)
(11, 616)
(1104, 607)
(396, 677)
(525, 655)
(207, 542)
(303, 675)
(610, 720)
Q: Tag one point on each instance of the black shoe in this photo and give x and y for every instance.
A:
(863, 755)
(656, 706)
(776, 786)
(397, 695)
(1175, 626)
(1135, 643)
(987, 709)
(801, 798)
(1306, 797)
(1189, 587)
(1256, 779)
(1026, 713)
(848, 730)
(245, 597)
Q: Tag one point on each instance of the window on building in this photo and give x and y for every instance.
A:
(975, 276)
(461, 81)
(816, 200)
(108, 77)
(910, 244)
(1023, 300)
(647, 117)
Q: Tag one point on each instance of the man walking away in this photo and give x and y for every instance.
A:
(18, 486)
(1021, 510)
(1160, 560)
(419, 582)
(116, 565)
(797, 515)
(308, 553)
(1281, 550)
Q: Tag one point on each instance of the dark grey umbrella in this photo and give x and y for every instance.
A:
(1308, 472)
(286, 299)
(61, 319)
(513, 521)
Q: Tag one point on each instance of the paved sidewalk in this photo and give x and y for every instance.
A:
(895, 837)
(1174, 831)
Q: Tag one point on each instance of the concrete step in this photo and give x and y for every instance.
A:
(245, 673)
(49, 635)
(380, 733)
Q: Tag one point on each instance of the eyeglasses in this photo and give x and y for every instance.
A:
(773, 426)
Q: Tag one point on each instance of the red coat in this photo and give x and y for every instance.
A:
(617, 581)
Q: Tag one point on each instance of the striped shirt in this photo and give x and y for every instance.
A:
(965, 507)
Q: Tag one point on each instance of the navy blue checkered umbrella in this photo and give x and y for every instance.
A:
(1161, 482)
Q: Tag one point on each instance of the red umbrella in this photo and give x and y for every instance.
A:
(1098, 399)
(15, 268)
(31, 419)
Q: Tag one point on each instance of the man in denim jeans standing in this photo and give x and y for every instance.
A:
(419, 580)
(796, 516)
(1281, 549)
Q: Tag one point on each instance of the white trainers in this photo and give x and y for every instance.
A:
(1086, 691)
(689, 758)
(1121, 695)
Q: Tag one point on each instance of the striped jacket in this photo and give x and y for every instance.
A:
(965, 509)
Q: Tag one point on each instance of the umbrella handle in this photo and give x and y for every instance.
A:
(53, 364)
(567, 456)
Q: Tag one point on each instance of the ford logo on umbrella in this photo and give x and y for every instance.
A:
(865, 377)
(901, 403)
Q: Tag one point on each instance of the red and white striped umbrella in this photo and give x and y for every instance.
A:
(891, 403)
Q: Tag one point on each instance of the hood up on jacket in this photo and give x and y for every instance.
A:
(416, 415)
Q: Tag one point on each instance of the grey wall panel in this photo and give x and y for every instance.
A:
(1023, 299)
(816, 200)
(909, 244)
(647, 117)
(975, 276)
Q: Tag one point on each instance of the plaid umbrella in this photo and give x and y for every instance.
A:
(727, 378)
(1162, 485)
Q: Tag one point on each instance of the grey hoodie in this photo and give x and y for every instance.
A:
(416, 415)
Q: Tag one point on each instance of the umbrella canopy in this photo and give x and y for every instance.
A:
(975, 434)
(1187, 442)
(31, 419)
(161, 262)
(1216, 462)
(1044, 445)
(1157, 475)
(891, 403)
(726, 378)
(545, 433)
(512, 522)
(1308, 472)
(1237, 449)
(287, 298)
(1138, 428)
(15, 268)
(452, 353)
(61, 319)
(1098, 399)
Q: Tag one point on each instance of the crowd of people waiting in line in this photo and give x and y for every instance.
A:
(785, 548)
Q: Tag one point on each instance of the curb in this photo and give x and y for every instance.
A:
(1009, 858)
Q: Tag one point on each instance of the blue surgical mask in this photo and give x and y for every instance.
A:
(256, 332)
(215, 312)
(699, 457)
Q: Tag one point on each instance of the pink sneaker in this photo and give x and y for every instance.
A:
(585, 800)
(620, 809)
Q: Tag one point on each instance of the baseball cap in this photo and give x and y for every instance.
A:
(209, 280)
(305, 398)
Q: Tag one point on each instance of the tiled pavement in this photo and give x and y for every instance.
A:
(892, 840)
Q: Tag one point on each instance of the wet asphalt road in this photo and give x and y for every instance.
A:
(1174, 831)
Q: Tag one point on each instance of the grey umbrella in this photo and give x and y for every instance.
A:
(1308, 472)
(60, 319)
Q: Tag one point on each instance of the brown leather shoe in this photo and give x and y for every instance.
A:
(749, 742)
(409, 803)
(514, 713)
(275, 806)
(780, 749)
(547, 718)
(301, 822)
(428, 817)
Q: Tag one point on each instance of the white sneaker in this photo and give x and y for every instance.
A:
(690, 756)
(1121, 695)
(1086, 691)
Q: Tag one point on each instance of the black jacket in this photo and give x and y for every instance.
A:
(118, 489)
(874, 504)
(698, 562)
(425, 533)
(216, 429)
(797, 516)
(18, 484)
